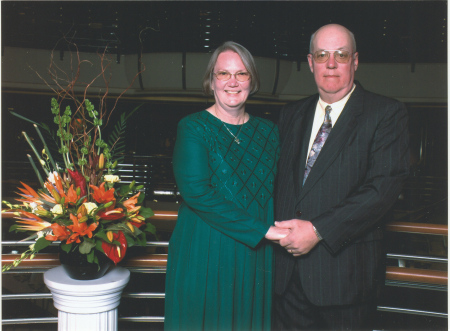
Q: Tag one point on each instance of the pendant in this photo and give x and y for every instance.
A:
(237, 141)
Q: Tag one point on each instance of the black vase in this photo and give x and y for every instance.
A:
(77, 266)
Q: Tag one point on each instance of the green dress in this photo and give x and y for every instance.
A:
(219, 271)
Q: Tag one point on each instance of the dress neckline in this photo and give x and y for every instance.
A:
(250, 117)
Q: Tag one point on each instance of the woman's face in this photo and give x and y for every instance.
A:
(231, 94)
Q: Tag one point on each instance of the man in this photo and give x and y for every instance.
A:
(334, 194)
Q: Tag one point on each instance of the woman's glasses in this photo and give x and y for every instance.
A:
(241, 76)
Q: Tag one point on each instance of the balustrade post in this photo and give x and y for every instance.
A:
(87, 304)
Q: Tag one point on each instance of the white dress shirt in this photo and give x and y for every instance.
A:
(336, 111)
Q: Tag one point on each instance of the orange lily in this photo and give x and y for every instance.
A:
(101, 195)
(79, 230)
(71, 196)
(130, 204)
(59, 233)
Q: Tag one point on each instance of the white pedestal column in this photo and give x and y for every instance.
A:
(85, 305)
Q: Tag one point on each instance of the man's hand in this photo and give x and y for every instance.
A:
(301, 239)
(275, 234)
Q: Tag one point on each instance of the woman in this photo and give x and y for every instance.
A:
(219, 271)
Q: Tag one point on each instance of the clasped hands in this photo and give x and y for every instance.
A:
(296, 236)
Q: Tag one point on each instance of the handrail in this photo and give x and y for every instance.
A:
(412, 311)
(419, 228)
(414, 275)
(158, 261)
(50, 260)
(57, 243)
(164, 215)
(54, 320)
(417, 258)
(409, 227)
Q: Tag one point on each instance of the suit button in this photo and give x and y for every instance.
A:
(298, 213)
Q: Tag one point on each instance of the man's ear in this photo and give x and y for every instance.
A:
(310, 62)
(355, 60)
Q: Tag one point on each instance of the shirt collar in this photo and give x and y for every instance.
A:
(337, 107)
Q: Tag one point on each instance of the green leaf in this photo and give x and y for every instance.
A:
(146, 212)
(98, 246)
(141, 198)
(124, 190)
(149, 227)
(24, 118)
(116, 138)
(136, 232)
(141, 240)
(66, 247)
(118, 227)
(80, 200)
(13, 227)
(91, 256)
(41, 243)
(132, 112)
(86, 246)
(130, 240)
(45, 127)
(100, 234)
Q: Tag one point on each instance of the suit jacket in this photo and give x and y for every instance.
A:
(355, 180)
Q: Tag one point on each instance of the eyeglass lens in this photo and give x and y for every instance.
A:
(339, 56)
(241, 76)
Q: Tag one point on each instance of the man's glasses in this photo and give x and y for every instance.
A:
(241, 76)
(339, 55)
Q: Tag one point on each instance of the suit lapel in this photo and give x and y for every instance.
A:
(337, 139)
(302, 127)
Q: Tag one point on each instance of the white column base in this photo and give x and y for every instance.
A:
(87, 304)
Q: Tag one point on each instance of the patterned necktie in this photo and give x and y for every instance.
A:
(321, 137)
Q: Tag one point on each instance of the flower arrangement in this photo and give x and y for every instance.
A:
(81, 203)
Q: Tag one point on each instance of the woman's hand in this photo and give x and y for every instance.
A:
(275, 234)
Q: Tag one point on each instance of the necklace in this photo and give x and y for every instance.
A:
(236, 139)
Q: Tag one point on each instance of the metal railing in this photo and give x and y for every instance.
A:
(156, 263)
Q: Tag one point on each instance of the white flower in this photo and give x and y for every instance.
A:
(32, 205)
(51, 177)
(111, 178)
(57, 210)
(90, 206)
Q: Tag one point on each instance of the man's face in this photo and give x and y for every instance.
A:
(334, 79)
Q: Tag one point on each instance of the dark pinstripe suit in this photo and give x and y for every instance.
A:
(354, 182)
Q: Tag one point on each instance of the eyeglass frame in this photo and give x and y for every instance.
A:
(231, 75)
(335, 51)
